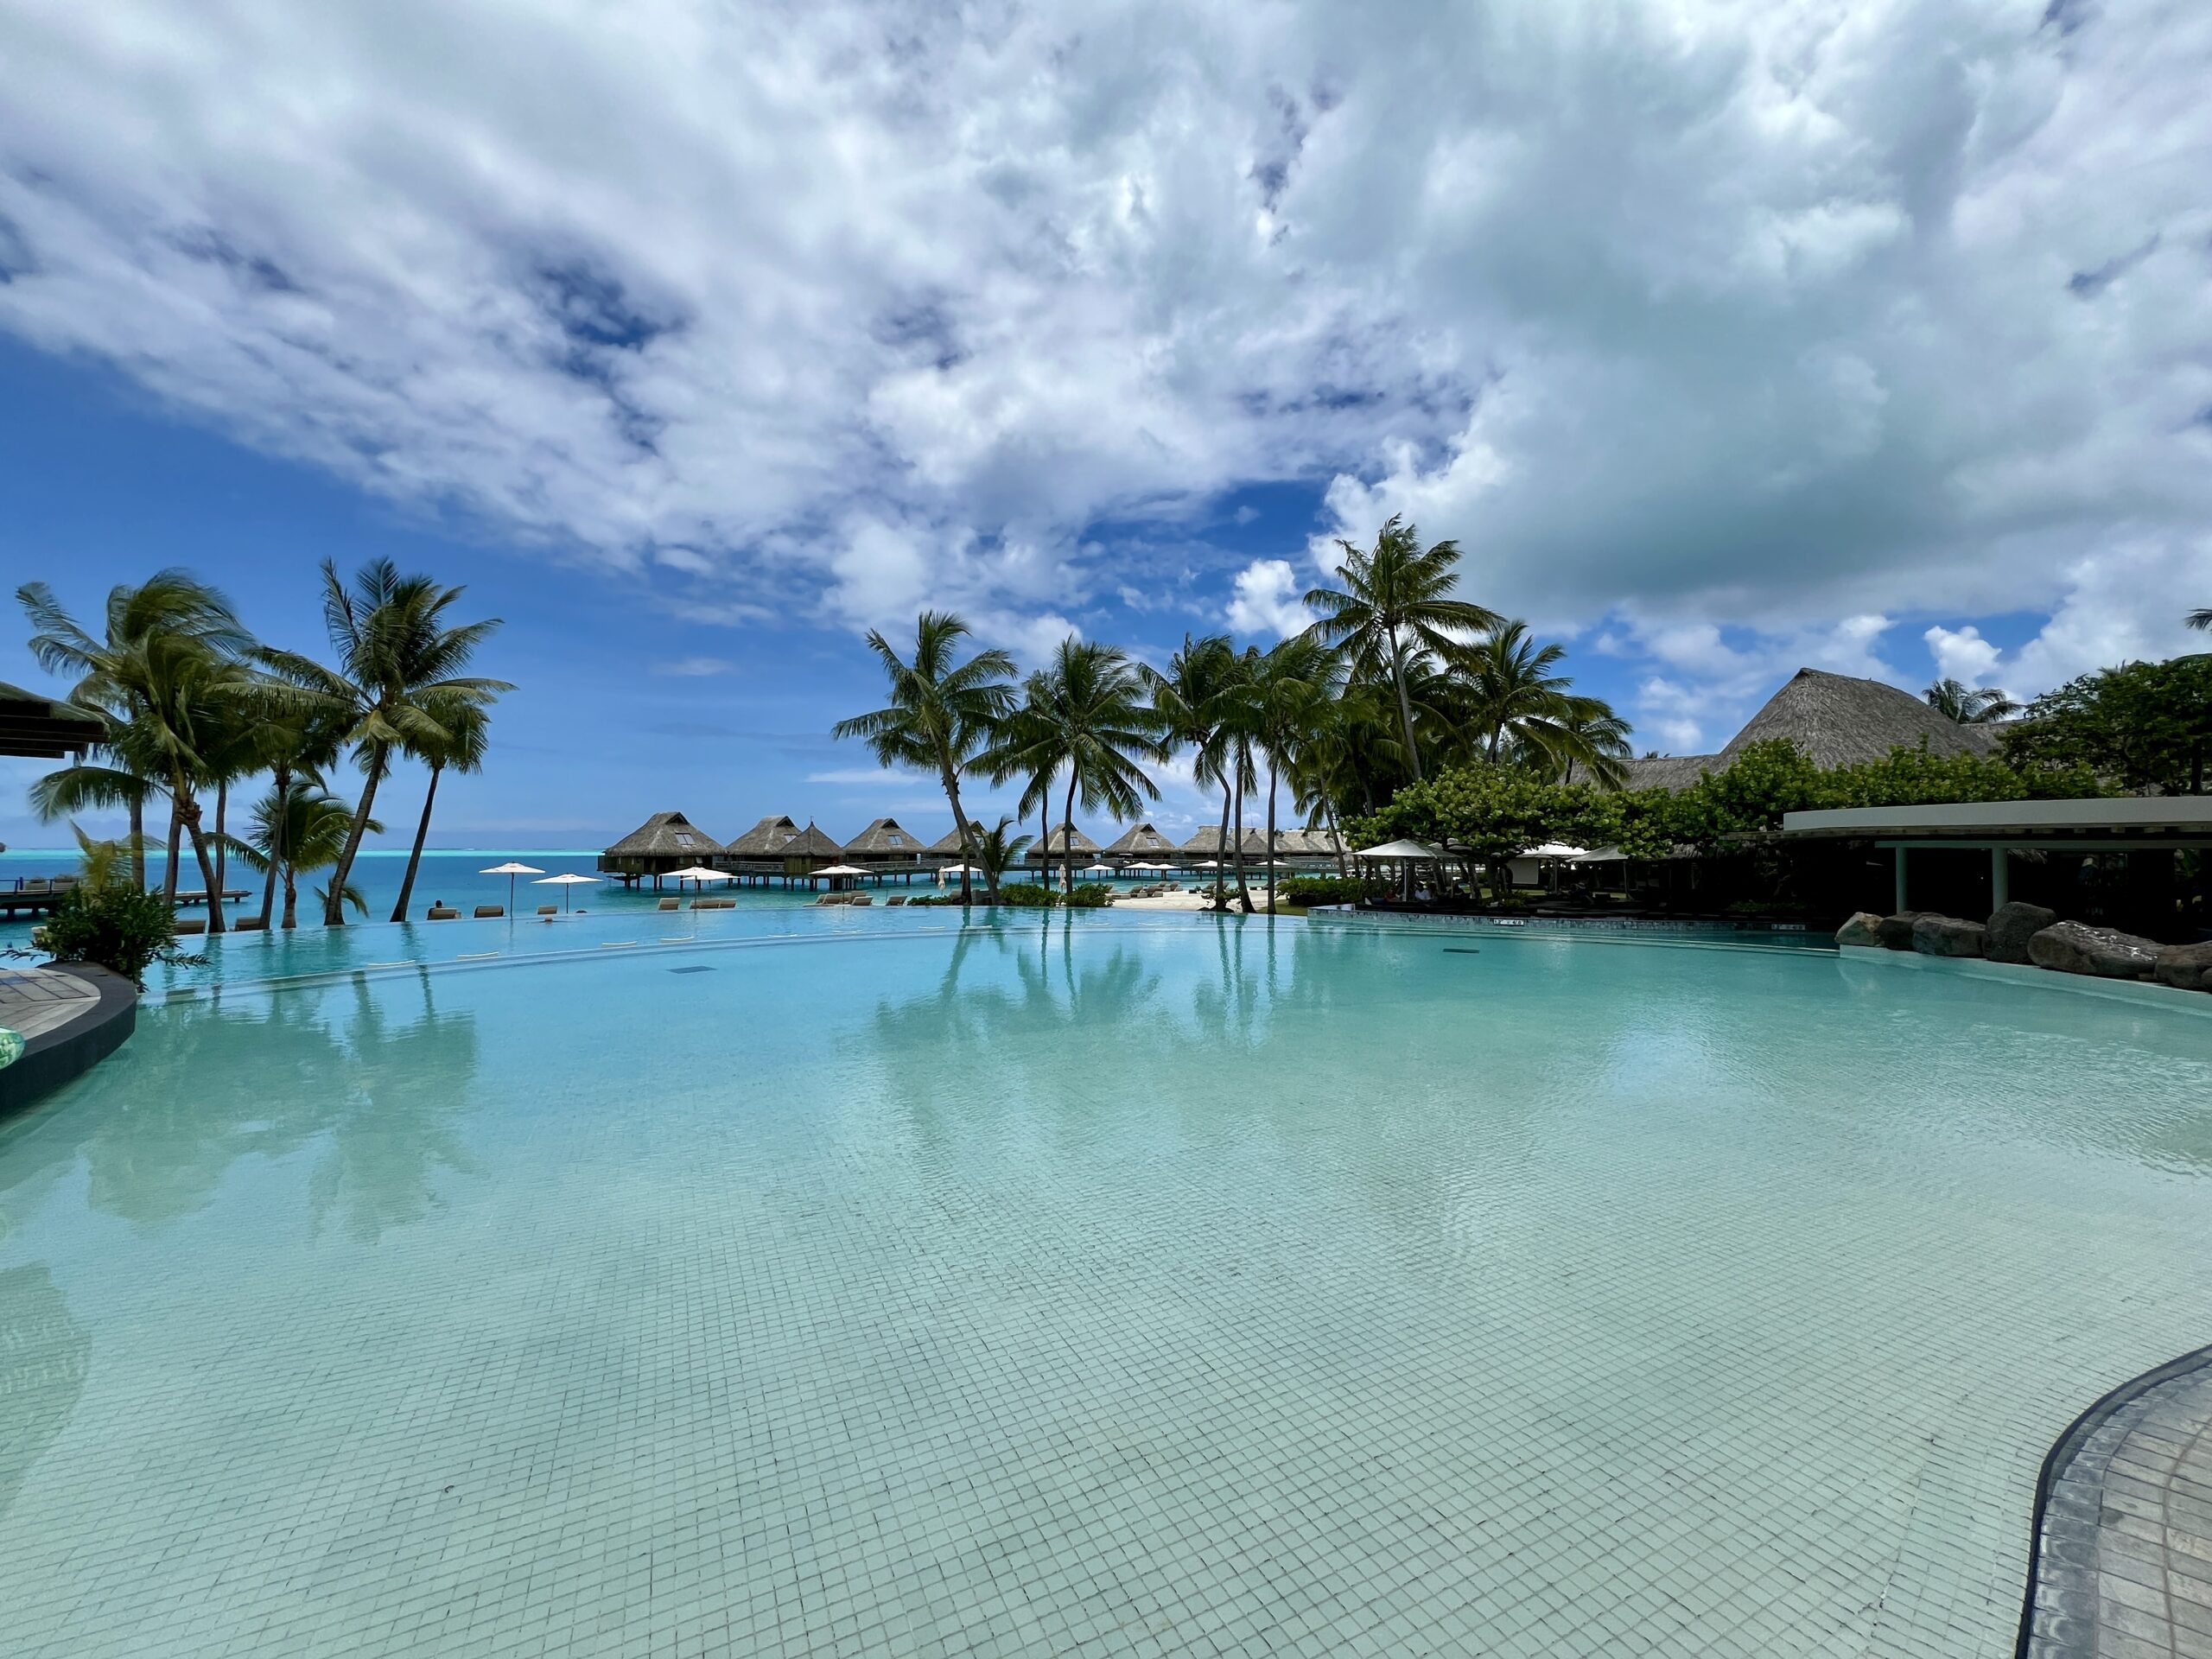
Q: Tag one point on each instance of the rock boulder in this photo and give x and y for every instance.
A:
(2188, 966)
(2011, 927)
(2073, 948)
(1947, 935)
(1864, 929)
(1896, 931)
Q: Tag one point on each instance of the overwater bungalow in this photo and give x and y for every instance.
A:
(1142, 845)
(666, 842)
(1055, 844)
(884, 842)
(765, 839)
(777, 850)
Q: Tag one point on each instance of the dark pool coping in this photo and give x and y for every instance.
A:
(54, 1057)
(2061, 1613)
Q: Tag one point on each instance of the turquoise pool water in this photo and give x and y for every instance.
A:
(1126, 1285)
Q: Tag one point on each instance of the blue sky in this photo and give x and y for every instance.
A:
(1726, 340)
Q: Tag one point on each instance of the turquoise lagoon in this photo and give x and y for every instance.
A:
(865, 1283)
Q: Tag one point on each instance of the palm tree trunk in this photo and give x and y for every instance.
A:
(291, 897)
(414, 858)
(1067, 849)
(333, 909)
(1405, 704)
(967, 838)
(1236, 858)
(222, 818)
(281, 779)
(1271, 835)
(1220, 850)
(189, 811)
(138, 840)
(175, 852)
(1336, 835)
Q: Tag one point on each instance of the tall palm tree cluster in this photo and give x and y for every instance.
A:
(1397, 677)
(192, 706)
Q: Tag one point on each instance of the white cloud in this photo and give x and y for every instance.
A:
(1267, 600)
(870, 776)
(1962, 654)
(1709, 315)
(694, 668)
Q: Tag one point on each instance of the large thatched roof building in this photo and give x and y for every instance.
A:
(1056, 844)
(765, 839)
(1836, 719)
(1143, 843)
(885, 842)
(666, 840)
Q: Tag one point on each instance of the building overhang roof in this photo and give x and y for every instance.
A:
(2087, 825)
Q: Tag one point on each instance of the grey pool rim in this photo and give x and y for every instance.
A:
(2043, 1530)
(56, 1057)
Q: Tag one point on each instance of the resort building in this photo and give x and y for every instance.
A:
(665, 842)
(1836, 719)
(765, 839)
(1142, 845)
(1056, 845)
(884, 842)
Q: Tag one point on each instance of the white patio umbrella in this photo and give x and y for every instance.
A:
(842, 869)
(700, 873)
(564, 882)
(1098, 869)
(1151, 867)
(511, 869)
(952, 871)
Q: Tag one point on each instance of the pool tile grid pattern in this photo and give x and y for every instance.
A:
(2124, 1567)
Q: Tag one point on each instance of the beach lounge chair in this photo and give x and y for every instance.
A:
(250, 924)
(549, 910)
(191, 924)
(483, 911)
(673, 903)
(444, 913)
(895, 898)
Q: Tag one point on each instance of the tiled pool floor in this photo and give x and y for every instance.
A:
(1240, 1290)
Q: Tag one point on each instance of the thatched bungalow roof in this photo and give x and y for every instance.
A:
(665, 836)
(810, 843)
(1208, 843)
(1056, 844)
(949, 843)
(1140, 843)
(765, 839)
(885, 838)
(1836, 719)
(1306, 843)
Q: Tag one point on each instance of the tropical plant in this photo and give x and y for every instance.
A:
(1287, 701)
(2200, 621)
(941, 714)
(399, 662)
(297, 831)
(2146, 726)
(1396, 604)
(1510, 690)
(114, 925)
(1969, 705)
(103, 780)
(467, 726)
(1089, 713)
(1592, 736)
(166, 672)
(994, 851)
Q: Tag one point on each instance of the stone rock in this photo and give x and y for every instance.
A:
(1864, 929)
(2011, 926)
(1947, 935)
(2188, 966)
(1896, 931)
(2073, 948)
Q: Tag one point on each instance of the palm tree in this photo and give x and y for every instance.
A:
(1511, 691)
(1087, 713)
(2200, 621)
(1591, 733)
(87, 787)
(297, 830)
(297, 738)
(996, 851)
(1289, 694)
(1396, 604)
(940, 715)
(467, 730)
(1191, 703)
(168, 672)
(1969, 705)
(398, 660)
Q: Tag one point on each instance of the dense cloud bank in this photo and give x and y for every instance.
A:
(1762, 314)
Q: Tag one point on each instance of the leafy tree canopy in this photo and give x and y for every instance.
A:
(2142, 725)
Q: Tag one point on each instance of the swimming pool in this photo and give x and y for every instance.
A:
(1100, 1285)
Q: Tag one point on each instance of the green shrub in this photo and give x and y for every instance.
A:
(1329, 889)
(1091, 895)
(119, 928)
(1027, 895)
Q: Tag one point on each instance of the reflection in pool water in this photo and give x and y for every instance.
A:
(1083, 1285)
